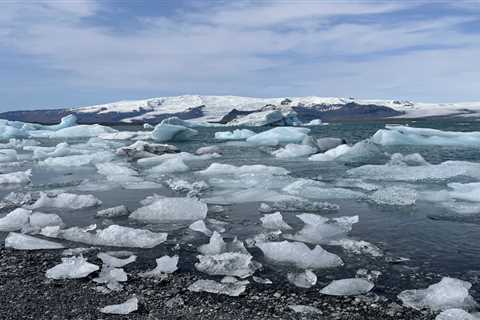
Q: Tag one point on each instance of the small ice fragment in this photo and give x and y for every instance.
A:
(114, 261)
(127, 307)
(300, 308)
(231, 289)
(274, 221)
(118, 211)
(15, 220)
(112, 276)
(348, 287)
(200, 226)
(237, 134)
(227, 264)
(165, 265)
(306, 279)
(358, 247)
(262, 280)
(71, 268)
(208, 150)
(23, 242)
(216, 245)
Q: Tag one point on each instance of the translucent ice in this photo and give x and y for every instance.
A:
(127, 307)
(15, 220)
(65, 201)
(292, 150)
(348, 287)
(115, 262)
(457, 314)
(237, 134)
(279, 135)
(228, 264)
(112, 277)
(169, 166)
(171, 209)
(305, 279)
(233, 289)
(165, 264)
(169, 132)
(274, 221)
(71, 268)
(200, 226)
(23, 242)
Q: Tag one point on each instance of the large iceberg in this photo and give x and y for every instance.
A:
(279, 135)
(171, 209)
(168, 132)
(299, 255)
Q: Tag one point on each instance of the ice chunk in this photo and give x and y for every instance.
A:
(414, 159)
(117, 172)
(165, 264)
(80, 131)
(446, 294)
(200, 226)
(216, 245)
(318, 229)
(78, 160)
(314, 122)
(114, 261)
(65, 201)
(233, 289)
(15, 220)
(292, 150)
(21, 177)
(50, 231)
(208, 150)
(358, 247)
(39, 220)
(348, 287)
(456, 314)
(300, 308)
(465, 191)
(237, 134)
(306, 279)
(274, 221)
(228, 169)
(319, 190)
(228, 264)
(395, 196)
(299, 254)
(169, 166)
(192, 189)
(116, 236)
(171, 209)
(279, 135)
(331, 154)
(184, 156)
(118, 211)
(298, 204)
(259, 118)
(71, 268)
(127, 307)
(169, 132)
(402, 135)
(23, 242)
(261, 280)
(141, 149)
(8, 155)
(112, 276)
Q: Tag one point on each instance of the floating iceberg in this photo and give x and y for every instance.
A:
(228, 264)
(21, 177)
(300, 255)
(305, 279)
(358, 247)
(208, 150)
(402, 135)
(80, 131)
(274, 221)
(65, 201)
(78, 160)
(20, 241)
(331, 154)
(71, 268)
(233, 289)
(261, 118)
(115, 236)
(169, 166)
(170, 132)
(314, 122)
(348, 287)
(279, 135)
(237, 134)
(292, 150)
(446, 294)
(318, 190)
(142, 149)
(171, 209)
(127, 307)
(165, 265)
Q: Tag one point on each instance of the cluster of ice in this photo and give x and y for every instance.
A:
(169, 132)
(274, 221)
(65, 201)
(402, 135)
(292, 150)
(127, 307)
(237, 134)
(115, 236)
(348, 287)
(446, 294)
(20, 241)
(305, 279)
(171, 209)
(279, 135)
(229, 288)
(21, 177)
(227, 264)
(318, 229)
(318, 190)
(165, 265)
(395, 196)
(71, 268)
(169, 166)
(299, 255)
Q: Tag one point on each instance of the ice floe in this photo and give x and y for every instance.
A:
(457, 314)
(227, 264)
(15, 220)
(171, 209)
(274, 221)
(21, 177)
(228, 169)
(113, 212)
(65, 201)
(115, 262)
(292, 150)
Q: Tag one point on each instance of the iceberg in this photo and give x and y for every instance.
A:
(331, 154)
(171, 209)
(292, 150)
(21, 177)
(127, 307)
(305, 279)
(169, 132)
(274, 221)
(39, 220)
(79, 131)
(314, 122)
(228, 264)
(15, 220)
(20, 241)
(208, 150)
(261, 118)
(299, 255)
(65, 201)
(142, 149)
(71, 268)
(318, 190)
(8, 155)
(165, 265)
(348, 287)
(115, 236)
(237, 134)
(446, 294)
(233, 289)
(169, 166)
(279, 135)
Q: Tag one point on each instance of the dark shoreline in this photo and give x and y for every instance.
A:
(27, 294)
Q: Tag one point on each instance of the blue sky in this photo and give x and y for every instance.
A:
(62, 53)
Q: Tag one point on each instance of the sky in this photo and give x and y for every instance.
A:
(66, 53)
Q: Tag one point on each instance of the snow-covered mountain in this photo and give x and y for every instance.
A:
(229, 109)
